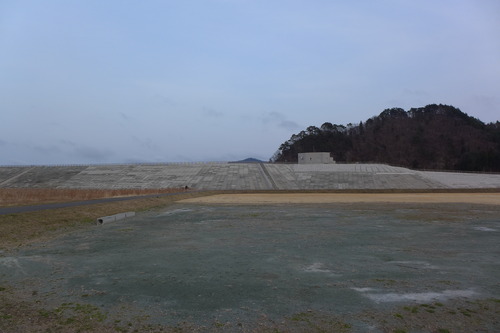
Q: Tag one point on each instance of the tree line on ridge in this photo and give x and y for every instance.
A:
(439, 137)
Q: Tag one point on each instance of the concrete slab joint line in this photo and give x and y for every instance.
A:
(267, 176)
(113, 218)
(11, 179)
(241, 177)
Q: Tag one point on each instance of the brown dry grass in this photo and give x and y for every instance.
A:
(19, 312)
(25, 228)
(29, 196)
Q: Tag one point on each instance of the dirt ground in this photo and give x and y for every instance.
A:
(321, 198)
(26, 307)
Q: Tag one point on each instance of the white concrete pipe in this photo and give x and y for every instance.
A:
(116, 217)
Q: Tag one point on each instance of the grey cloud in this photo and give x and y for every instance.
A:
(47, 150)
(135, 160)
(66, 142)
(212, 113)
(146, 143)
(163, 100)
(280, 120)
(485, 101)
(415, 92)
(408, 98)
(92, 154)
(289, 125)
(124, 116)
(61, 152)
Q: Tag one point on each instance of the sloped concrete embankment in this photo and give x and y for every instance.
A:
(242, 176)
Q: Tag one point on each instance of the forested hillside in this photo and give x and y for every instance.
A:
(437, 137)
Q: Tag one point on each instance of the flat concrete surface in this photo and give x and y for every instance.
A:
(242, 176)
(300, 268)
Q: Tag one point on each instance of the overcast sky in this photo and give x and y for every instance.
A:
(122, 81)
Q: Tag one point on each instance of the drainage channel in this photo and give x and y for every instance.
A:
(268, 176)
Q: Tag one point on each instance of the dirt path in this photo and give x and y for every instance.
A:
(304, 198)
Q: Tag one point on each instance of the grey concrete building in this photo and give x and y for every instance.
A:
(315, 158)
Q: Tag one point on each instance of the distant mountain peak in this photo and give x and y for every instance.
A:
(249, 160)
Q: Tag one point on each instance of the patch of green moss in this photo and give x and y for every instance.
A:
(400, 330)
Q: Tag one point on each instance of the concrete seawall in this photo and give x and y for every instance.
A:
(242, 176)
